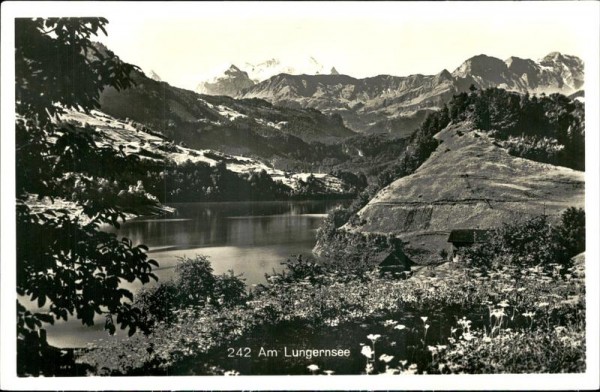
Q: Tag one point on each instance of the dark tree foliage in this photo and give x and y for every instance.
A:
(309, 188)
(198, 181)
(548, 129)
(357, 181)
(572, 230)
(533, 242)
(68, 187)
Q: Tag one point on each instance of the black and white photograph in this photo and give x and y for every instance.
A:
(212, 189)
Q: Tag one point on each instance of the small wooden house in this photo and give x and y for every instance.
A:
(461, 238)
(394, 263)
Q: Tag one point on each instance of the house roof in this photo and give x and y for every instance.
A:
(469, 236)
(391, 258)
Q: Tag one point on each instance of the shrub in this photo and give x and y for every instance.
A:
(532, 242)
(571, 231)
(559, 351)
(230, 289)
(194, 285)
(157, 302)
(194, 280)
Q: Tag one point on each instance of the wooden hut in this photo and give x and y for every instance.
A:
(394, 263)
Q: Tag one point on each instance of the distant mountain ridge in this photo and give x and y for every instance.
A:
(369, 103)
(554, 73)
(236, 79)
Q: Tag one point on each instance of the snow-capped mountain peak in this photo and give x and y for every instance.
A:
(297, 66)
(236, 79)
(231, 82)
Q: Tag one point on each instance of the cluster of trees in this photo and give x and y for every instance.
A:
(198, 181)
(549, 129)
(358, 181)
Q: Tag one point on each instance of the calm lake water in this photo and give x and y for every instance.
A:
(250, 238)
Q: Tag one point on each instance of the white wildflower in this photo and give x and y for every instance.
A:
(367, 351)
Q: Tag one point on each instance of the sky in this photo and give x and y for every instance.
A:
(191, 42)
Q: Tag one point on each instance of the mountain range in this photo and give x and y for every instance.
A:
(394, 104)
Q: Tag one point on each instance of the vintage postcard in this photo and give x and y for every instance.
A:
(359, 195)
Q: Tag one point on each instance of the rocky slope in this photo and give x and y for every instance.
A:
(370, 103)
(468, 182)
(361, 102)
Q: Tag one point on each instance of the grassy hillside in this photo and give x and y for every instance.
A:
(468, 182)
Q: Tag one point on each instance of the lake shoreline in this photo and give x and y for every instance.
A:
(270, 233)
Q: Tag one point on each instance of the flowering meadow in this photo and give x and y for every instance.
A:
(510, 315)
(509, 321)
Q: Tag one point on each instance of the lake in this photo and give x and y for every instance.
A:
(250, 238)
